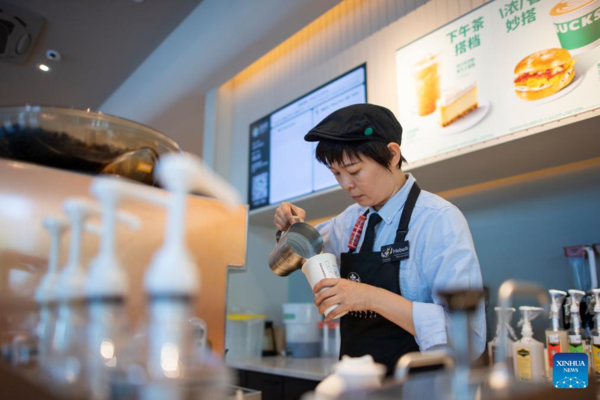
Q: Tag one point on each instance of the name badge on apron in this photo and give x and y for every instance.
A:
(394, 252)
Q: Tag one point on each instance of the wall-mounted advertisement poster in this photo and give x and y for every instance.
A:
(505, 67)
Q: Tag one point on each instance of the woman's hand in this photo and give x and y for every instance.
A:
(351, 296)
(286, 214)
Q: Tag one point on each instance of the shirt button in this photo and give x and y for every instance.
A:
(389, 220)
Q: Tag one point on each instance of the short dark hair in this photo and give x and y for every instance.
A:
(333, 151)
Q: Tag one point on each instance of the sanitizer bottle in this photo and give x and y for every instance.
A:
(578, 341)
(595, 347)
(45, 294)
(556, 336)
(528, 353)
(172, 280)
(504, 317)
(69, 347)
(68, 357)
(106, 290)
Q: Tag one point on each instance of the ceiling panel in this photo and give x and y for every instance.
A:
(101, 43)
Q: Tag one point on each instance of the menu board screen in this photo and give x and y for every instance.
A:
(282, 164)
(505, 67)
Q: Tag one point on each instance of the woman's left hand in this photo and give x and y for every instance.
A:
(351, 296)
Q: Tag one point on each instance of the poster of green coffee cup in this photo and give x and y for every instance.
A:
(504, 67)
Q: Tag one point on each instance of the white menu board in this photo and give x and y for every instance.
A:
(504, 67)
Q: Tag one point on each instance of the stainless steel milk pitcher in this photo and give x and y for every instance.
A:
(301, 242)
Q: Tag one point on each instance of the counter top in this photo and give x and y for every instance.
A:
(315, 369)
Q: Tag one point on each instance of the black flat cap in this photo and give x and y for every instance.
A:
(358, 122)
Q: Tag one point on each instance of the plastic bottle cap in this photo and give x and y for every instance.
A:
(359, 366)
(576, 296)
(528, 315)
(245, 317)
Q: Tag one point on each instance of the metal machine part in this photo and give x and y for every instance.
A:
(82, 141)
(419, 360)
(461, 304)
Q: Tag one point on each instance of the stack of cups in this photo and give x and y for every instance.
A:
(301, 329)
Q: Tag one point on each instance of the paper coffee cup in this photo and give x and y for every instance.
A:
(577, 24)
(320, 267)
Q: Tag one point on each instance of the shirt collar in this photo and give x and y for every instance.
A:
(396, 203)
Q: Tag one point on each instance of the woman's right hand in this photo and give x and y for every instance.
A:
(286, 214)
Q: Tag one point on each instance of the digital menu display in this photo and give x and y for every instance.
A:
(281, 164)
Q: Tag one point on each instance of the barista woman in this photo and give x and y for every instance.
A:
(413, 244)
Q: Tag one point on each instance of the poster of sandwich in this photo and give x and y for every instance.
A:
(505, 67)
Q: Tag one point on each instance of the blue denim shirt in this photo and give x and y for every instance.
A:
(441, 256)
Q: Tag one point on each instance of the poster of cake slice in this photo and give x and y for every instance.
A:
(497, 71)
(445, 91)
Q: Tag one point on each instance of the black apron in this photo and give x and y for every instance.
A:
(367, 332)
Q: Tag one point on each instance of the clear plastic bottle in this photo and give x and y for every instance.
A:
(556, 337)
(528, 353)
(45, 294)
(578, 340)
(172, 281)
(107, 289)
(595, 345)
(503, 316)
(68, 355)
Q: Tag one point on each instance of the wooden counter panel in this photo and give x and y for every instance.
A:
(215, 234)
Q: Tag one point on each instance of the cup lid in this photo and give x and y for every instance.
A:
(244, 317)
(359, 366)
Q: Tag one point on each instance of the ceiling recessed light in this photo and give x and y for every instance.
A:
(53, 55)
(44, 67)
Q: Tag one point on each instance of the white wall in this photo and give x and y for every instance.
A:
(350, 34)
(216, 41)
(258, 290)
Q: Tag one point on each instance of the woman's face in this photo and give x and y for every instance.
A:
(366, 181)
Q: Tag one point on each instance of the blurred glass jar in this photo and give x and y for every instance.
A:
(82, 141)
(330, 339)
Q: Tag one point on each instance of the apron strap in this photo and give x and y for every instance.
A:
(409, 206)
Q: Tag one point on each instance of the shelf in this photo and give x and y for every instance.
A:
(317, 205)
(570, 140)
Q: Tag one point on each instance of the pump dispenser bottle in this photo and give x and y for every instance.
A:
(69, 352)
(556, 336)
(577, 338)
(528, 353)
(172, 280)
(595, 346)
(69, 348)
(106, 289)
(45, 294)
(504, 317)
